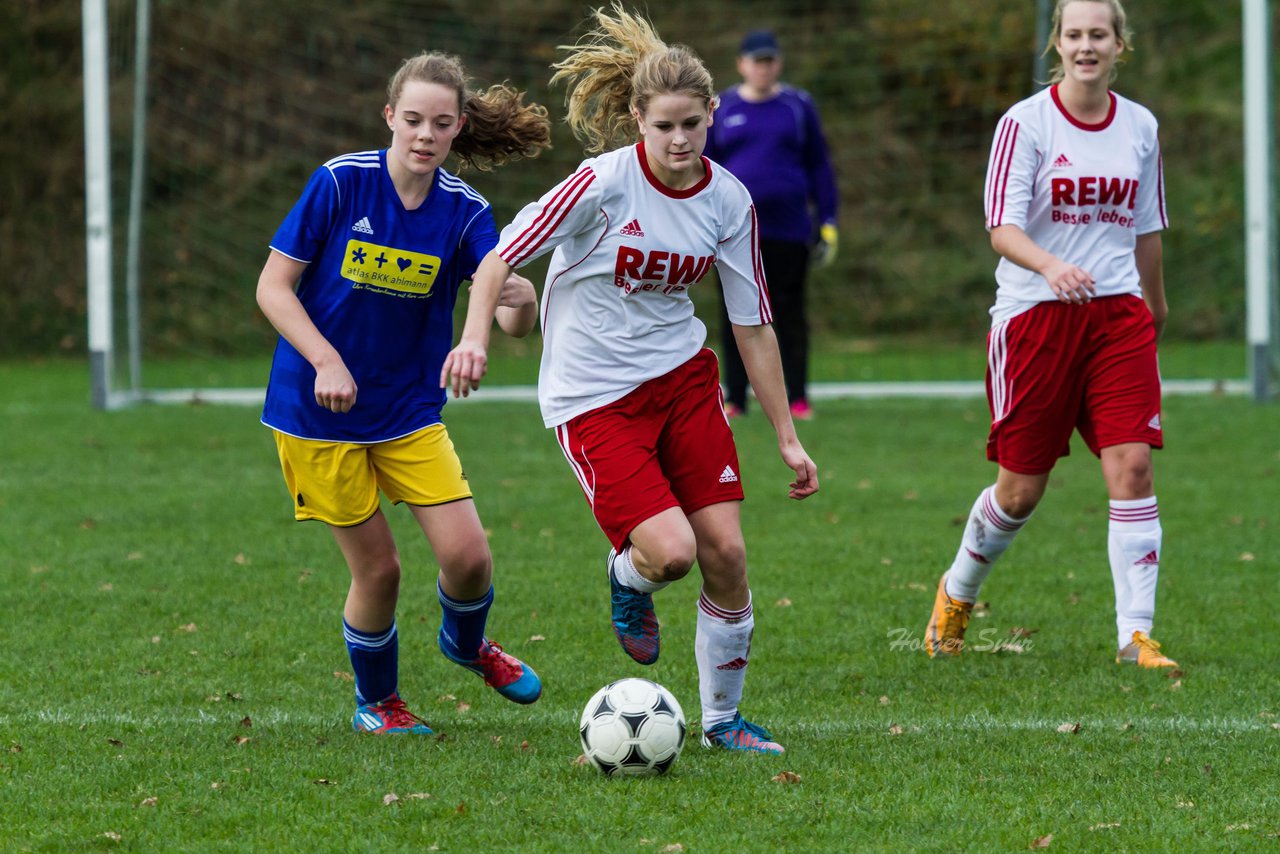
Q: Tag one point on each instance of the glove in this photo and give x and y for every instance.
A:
(824, 251)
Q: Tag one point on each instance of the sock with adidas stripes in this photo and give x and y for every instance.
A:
(722, 648)
(987, 534)
(462, 623)
(1134, 537)
(375, 661)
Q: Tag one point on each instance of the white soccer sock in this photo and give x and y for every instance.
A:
(1134, 537)
(628, 576)
(722, 648)
(987, 534)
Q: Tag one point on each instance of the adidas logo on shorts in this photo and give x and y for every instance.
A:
(728, 475)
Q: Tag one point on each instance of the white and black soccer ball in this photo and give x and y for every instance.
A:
(632, 727)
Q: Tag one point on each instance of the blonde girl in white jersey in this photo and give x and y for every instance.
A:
(632, 393)
(1075, 206)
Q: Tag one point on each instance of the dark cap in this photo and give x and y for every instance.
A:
(759, 44)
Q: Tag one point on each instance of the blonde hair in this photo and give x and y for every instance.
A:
(500, 126)
(617, 68)
(1119, 24)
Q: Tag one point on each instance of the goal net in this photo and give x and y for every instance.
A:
(214, 114)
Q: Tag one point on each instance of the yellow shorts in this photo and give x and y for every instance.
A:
(338, 482)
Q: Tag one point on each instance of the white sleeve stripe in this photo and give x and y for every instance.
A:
(1001, 164)
(564, 439)
(546, 222)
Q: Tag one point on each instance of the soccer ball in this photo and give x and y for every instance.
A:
(632, 728)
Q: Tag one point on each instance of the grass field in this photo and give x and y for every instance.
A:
(174, 678)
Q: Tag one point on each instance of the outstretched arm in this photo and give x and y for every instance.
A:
(759, 348)
(517, 306)
(335, 388)
(467, 363)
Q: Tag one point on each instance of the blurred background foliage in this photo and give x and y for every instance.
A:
(246, 99)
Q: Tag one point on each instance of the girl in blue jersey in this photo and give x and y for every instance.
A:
(361, 284)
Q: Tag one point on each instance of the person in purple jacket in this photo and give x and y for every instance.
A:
(769, 136)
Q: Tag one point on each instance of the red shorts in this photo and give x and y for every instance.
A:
(666, 444)
(1060, 367)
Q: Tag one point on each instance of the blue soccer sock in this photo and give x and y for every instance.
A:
(375, 658)
(462, 628)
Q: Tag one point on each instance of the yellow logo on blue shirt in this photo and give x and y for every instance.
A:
(376, 267)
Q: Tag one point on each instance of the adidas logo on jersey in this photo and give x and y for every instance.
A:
(1062, 162)
(363, 226)
(728, 476)
(632, 229)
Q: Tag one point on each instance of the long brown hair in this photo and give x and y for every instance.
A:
(500, 126)
(618, 67)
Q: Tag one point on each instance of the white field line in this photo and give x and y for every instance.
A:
(833, 727)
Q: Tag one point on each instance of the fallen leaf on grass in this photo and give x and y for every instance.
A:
(1176, 685)
(113, 836)
(1069, 727)
(417, 796)
(673, 848)
(115, 742)
(1042, 841)
(1184, 805)
(15, 748)
(787, 777)
(189, 627)
(982, 609)
(344, 676)
(524, 747)
(240, 739)
(461, 809)
(895, 729)
(783, 603)
(536, 638)
(1107, 825)
(246, 721)
(1175, 673)
(106, 588)
(324, 781)
(1247, 556)
(464, 707)
(1231, 827)
(240, 559)
(149, 802)
(884, 701)
(389, 798)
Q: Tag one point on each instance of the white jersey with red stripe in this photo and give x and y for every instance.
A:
(628, 250)
(1082, 192)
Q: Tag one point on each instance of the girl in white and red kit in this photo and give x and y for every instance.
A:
(1075, 207)
(626, 381)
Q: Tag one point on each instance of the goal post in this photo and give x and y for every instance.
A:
(97, 183)
(1260, 198)
(200, 120)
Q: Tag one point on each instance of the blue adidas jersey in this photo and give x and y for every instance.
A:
(380, 285)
